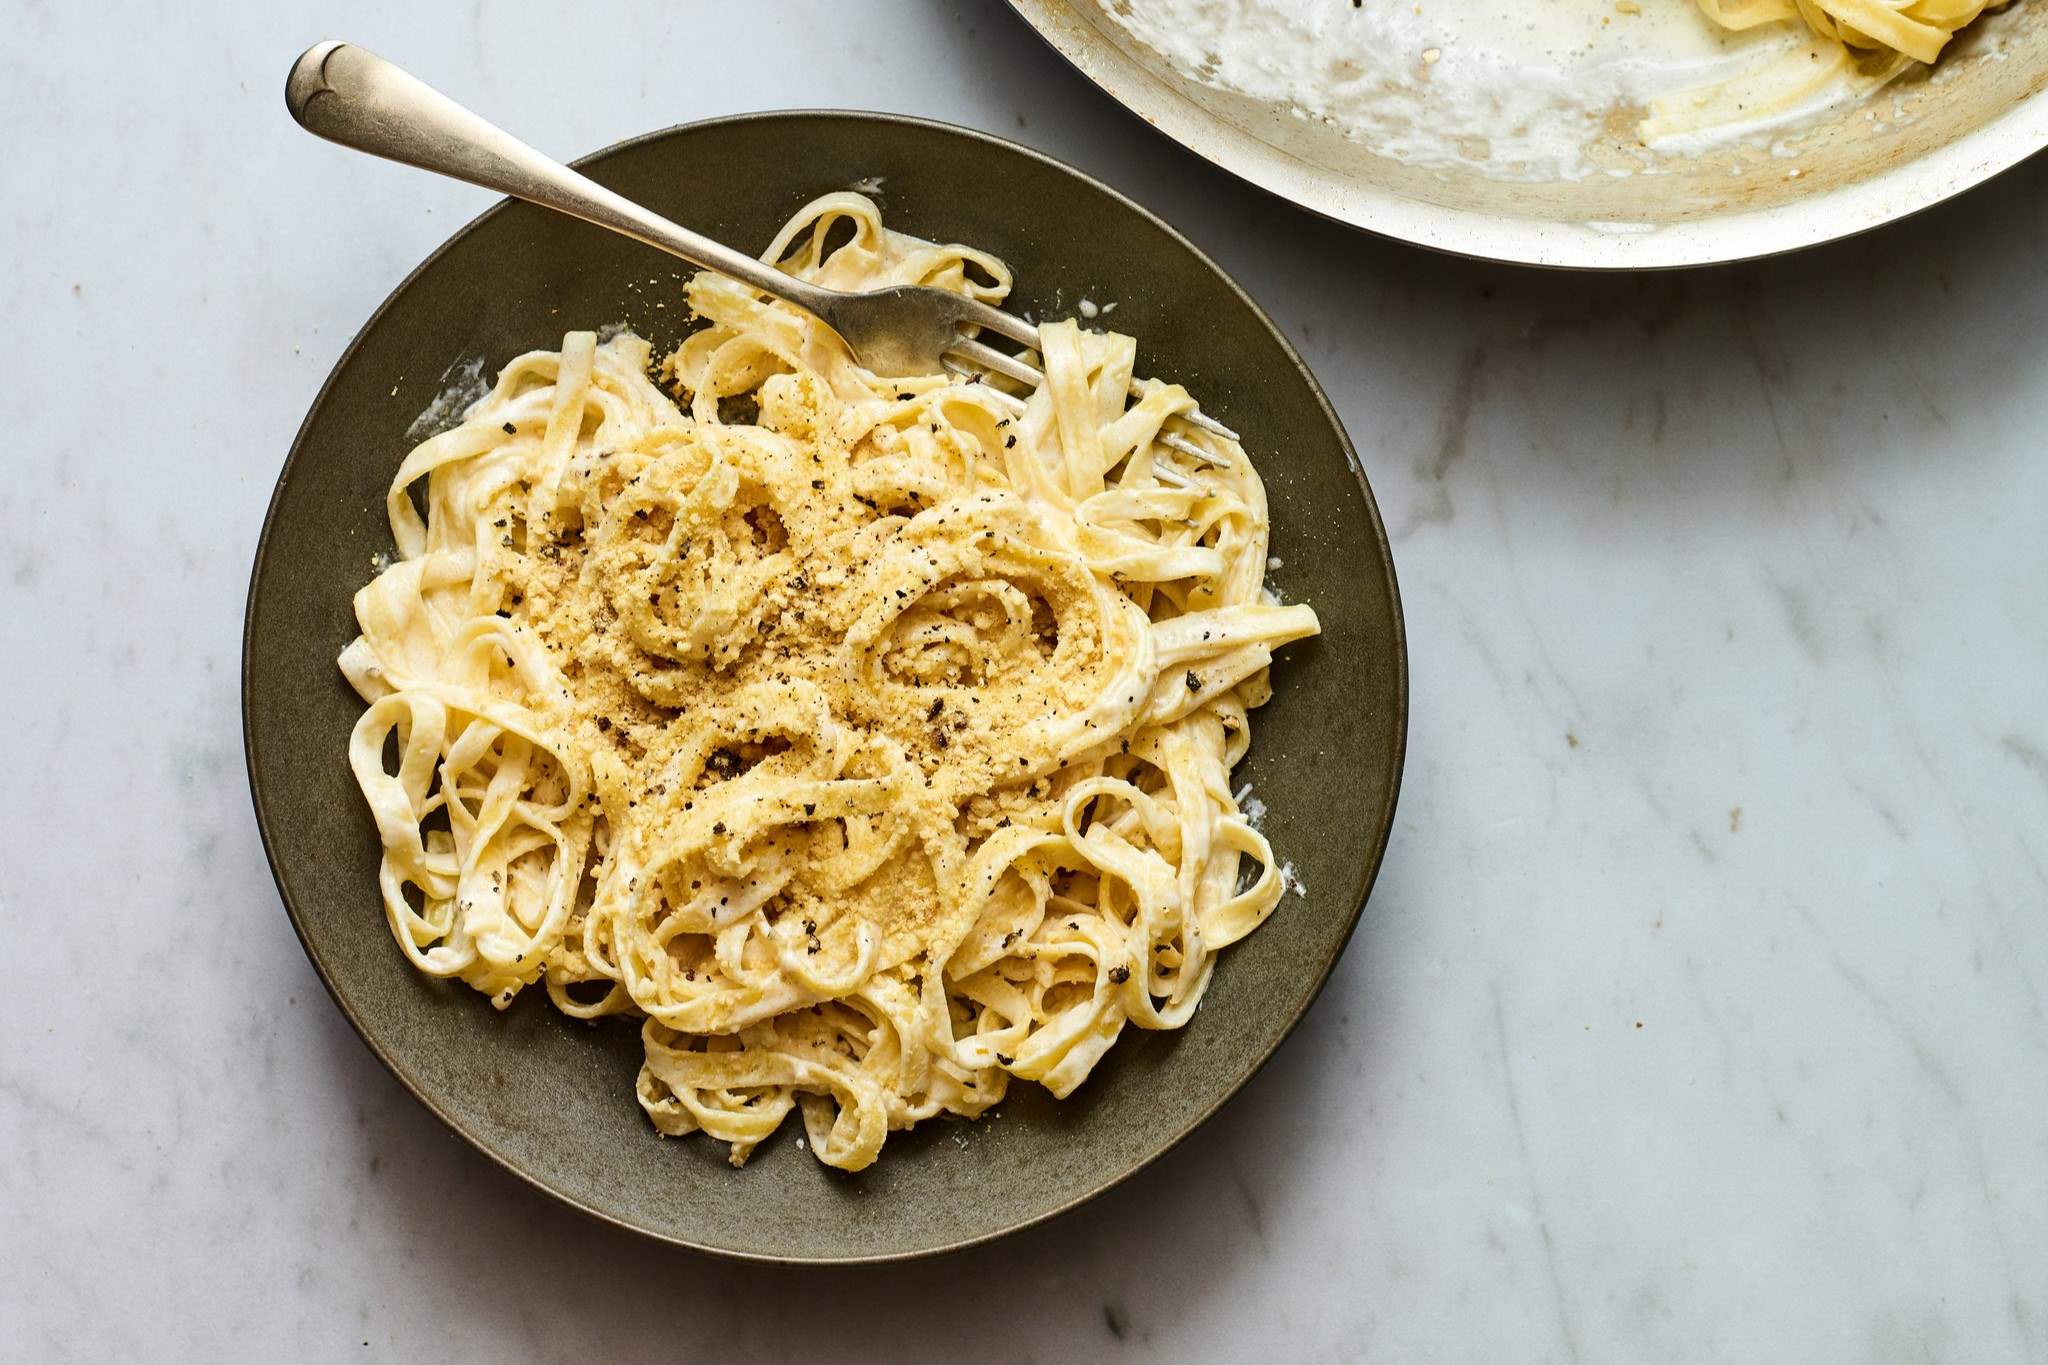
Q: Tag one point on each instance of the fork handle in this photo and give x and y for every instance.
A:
(350, 95)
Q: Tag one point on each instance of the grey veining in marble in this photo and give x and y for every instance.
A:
(1699, 1015)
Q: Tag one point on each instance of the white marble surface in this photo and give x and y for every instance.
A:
(1698, 1015)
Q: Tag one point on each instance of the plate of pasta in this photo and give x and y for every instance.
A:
(1593, 134)
(803, 813)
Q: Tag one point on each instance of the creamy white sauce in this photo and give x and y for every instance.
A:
(462, 384)
(1518, 89)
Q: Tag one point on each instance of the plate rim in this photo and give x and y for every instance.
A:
(1370, 868)
(2000, 143)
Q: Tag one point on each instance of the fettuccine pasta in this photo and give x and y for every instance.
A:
(867, 738)
(1917, 29)
(1855, 48)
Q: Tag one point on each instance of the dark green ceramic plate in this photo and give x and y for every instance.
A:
(550, 1099)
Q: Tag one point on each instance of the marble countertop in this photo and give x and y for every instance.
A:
(1697, 1015)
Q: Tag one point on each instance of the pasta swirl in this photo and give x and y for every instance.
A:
(868, 738)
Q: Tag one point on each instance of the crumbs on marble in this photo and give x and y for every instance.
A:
(1571, 738)
(1735, 819)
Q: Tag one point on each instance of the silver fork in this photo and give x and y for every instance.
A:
(349, 95)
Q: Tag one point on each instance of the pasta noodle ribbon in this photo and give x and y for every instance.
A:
(866, 737)
(1918, 29)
